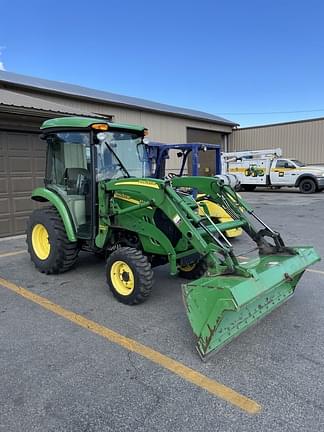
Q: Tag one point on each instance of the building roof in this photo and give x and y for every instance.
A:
(267, 125)
(10, 98)
(107, 97)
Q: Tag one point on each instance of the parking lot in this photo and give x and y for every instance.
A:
(74, 359)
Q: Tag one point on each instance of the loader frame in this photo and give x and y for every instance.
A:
(160, 152)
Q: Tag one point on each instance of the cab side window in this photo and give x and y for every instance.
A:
(68, 161)
(68, 175)
(282, 163)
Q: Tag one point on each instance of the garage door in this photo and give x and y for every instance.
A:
(22, 164)
(205, 136)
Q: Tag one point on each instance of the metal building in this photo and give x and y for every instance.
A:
(25, 102)
(303, 140)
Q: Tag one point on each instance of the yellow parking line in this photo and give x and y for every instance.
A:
(7, 254)
(194, 377)
(315, 271)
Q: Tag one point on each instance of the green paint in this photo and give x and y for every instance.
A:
(220, 308)
(86, 122)
(47, 195)
(233, 296)
(166, 225)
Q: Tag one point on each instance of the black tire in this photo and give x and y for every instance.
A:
(194, 270)
(140, 272)
(63, 253)
(248, 188)
(307, 186)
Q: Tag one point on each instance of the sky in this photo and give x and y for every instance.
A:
(253, 62)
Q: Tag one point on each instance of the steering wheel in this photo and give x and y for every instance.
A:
(170, 175)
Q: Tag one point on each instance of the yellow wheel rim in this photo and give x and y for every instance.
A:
(122, 278)
(41, 245)
(187, 267)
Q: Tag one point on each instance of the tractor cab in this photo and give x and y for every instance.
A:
(81, 152)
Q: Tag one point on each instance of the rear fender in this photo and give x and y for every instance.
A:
(43, 195)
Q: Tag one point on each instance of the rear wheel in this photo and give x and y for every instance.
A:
(48, 245)
(307, 186)
(193, 270)
(129, 275)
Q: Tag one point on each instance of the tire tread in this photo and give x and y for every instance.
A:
(144, 274)
(67, 251)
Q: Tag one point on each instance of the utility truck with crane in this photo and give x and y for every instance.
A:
(100, 199)
(268, 168)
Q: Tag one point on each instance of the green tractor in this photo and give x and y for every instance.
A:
(101, 199)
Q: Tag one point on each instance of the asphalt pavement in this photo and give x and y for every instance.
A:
(59, 376)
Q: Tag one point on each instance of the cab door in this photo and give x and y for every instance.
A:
(68, 174)
(283, 172)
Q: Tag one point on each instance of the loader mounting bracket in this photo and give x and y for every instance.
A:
(266, 248)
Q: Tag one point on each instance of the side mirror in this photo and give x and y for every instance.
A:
(101, 136)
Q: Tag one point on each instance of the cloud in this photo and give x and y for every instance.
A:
(2, 67)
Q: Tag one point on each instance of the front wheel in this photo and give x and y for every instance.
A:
(129, 275)
(307, 186)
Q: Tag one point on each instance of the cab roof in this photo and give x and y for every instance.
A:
(86, 122)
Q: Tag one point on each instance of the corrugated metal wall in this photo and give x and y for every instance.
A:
(301, 140)
(162, 127)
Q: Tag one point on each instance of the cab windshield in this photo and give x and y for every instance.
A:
(298, 163)
(121, 154)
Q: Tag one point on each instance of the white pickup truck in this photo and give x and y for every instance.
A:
(268, 168)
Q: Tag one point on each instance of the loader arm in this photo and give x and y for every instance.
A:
(215, 191)
(124, 201)
(231, 296)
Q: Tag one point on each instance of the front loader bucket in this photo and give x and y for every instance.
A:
(221, 307)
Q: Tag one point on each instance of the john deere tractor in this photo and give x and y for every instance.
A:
(101, 199)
